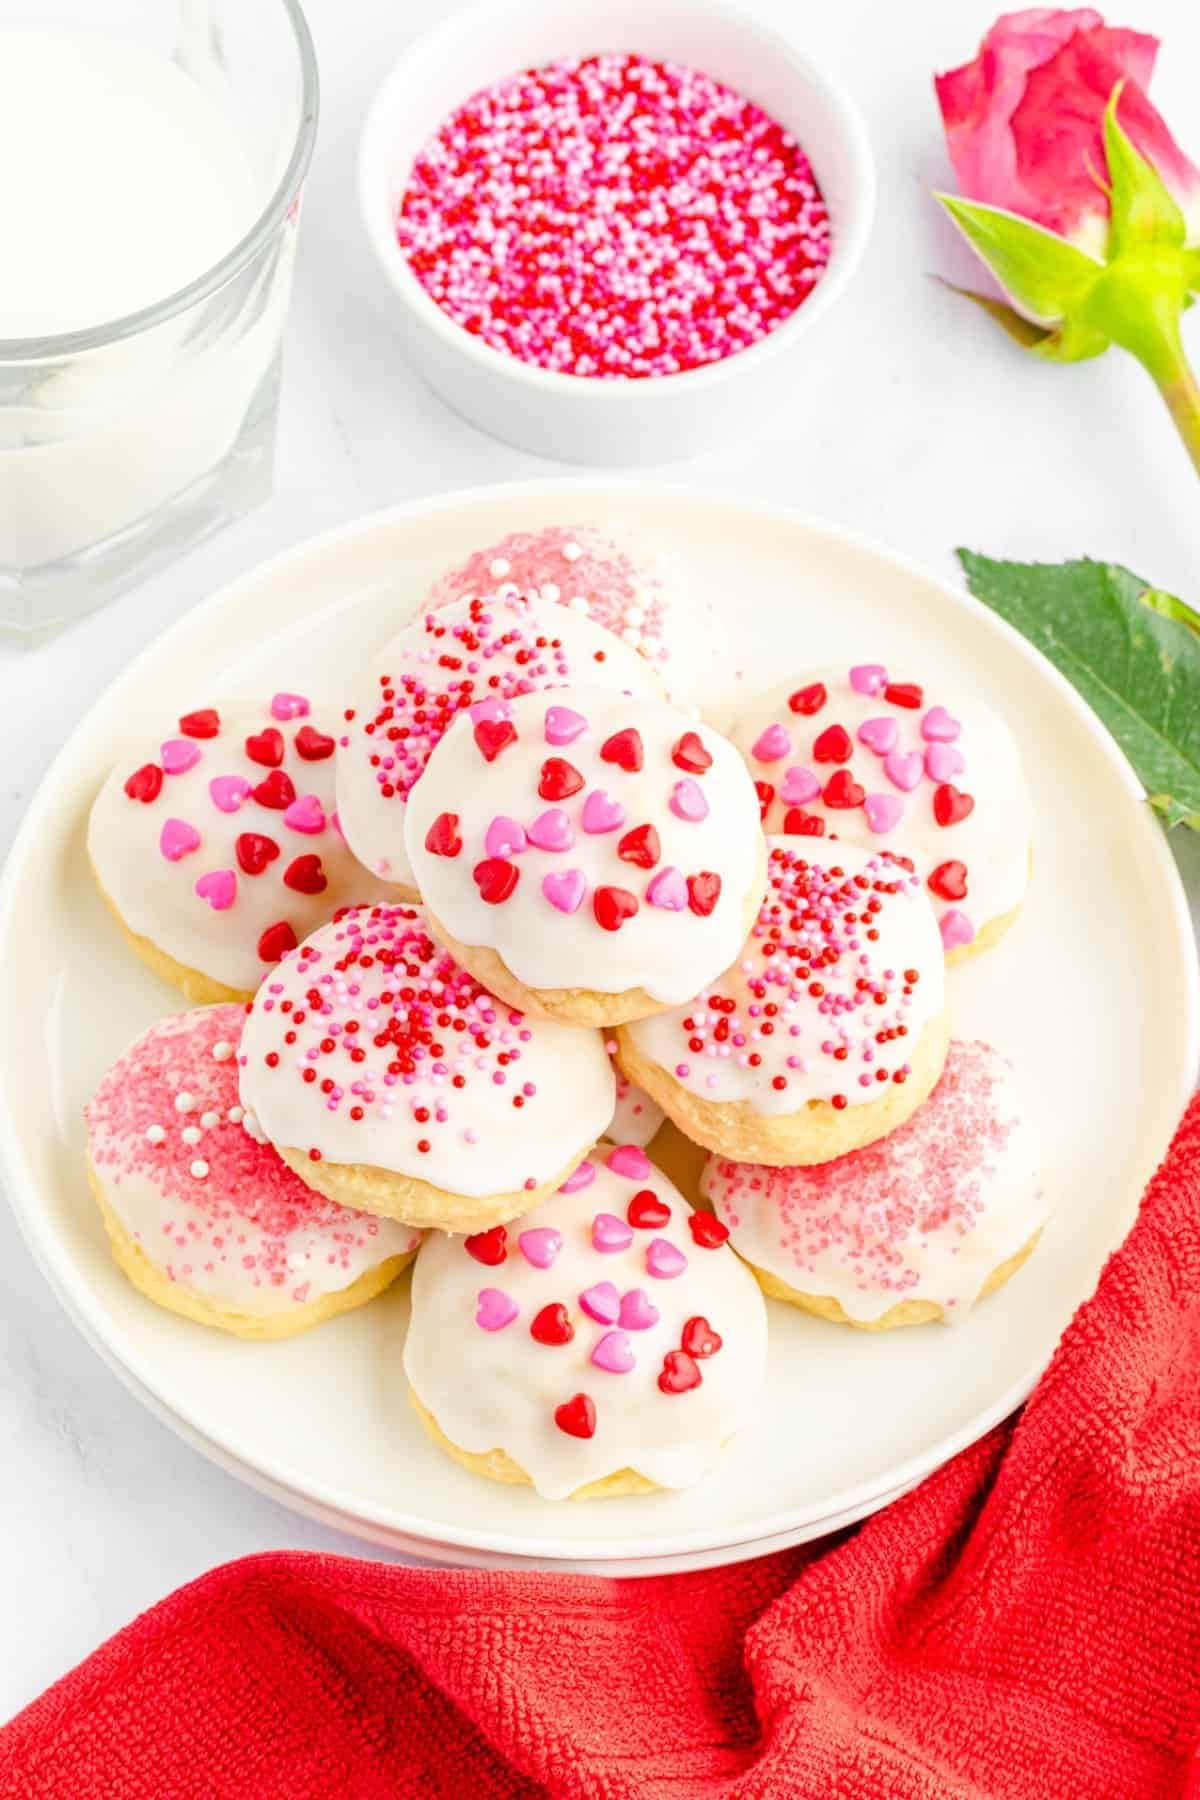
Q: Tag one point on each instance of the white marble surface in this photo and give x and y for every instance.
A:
(918, 424)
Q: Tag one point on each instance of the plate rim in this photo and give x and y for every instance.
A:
(597, 1555)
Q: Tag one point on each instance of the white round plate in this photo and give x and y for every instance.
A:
(1094, 995)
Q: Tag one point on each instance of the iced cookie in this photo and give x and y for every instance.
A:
(899, 765)
(608, 1344)
(916, 1227)
(220, 848)
(635, 1118)
(469, 657)
(202, 1215)
(828, 1030)
(391, 1081)
(590, 857)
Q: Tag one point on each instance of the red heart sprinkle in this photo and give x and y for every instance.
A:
(949, 805)
(442, 838)
(612, 906)
(495, 879)
(679, 1373)
(699, 1339)
(640, 846)
(646, 1211)
(766, 793)
(798, 823)
(494, 735)
(552, 1326)
(707, 1230)
(808, 700)
(275, 790)
(904, 693)
(576, 1416)
(275, 940)
(704, 890)
(306, 875)
(313, 745)
(688, 753)
(254, 852)
(949, 881)
(559, 779)
(145, 784)
(205, 723)
(265, 747)
(842, 791)
(488, 1247)
(625, 749)
(833, 745)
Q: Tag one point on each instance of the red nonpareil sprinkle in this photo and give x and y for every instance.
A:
(614, 217)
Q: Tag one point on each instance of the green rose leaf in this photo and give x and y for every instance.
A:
(1047, 277)
(1136, 663)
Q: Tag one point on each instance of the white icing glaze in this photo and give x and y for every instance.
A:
(993, 841)
(667, 952)
(499, 1389)
(925, 1214)
(469, 652)
(797, 1045)
(155, 893)
(636, 1117)
(491, 1126)
(212, 1207)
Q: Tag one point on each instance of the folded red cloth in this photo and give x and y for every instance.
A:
(1025, 1626)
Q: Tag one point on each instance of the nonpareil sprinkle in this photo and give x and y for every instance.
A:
(614, 217)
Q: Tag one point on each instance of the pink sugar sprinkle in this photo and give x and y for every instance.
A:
(614, 217)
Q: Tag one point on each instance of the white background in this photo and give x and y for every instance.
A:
(917, 423)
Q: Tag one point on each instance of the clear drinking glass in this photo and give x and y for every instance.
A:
(124, 443)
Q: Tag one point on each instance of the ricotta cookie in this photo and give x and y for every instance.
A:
(392, 1082)
(827, 1032)
(914, 1228)
(590, 857)
(897, 765)
(609, 1345)
(202, 1215)
(470, 657)
(219, 849)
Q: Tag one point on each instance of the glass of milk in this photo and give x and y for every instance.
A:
(152, 154)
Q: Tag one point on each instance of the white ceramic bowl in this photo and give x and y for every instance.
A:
(579, 418)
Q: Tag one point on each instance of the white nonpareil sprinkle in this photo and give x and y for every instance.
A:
(209, 1119)
(184, 1102)
(222, 1051)
(199, 1168)
(578, 603)
(234, 1115)
(499, 567)
(551, 591)
(155, 1134)
(296, 1259)
(252, 1128)
(191, 1134)
(572, 551)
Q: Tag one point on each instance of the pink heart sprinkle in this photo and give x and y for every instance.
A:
(799, 786)
(289, 706)
(664, 1261)
(504, 837)
(227, 792)
(903, 768)
(580, 1177)
(178, 839)
(485, 711)
(601, 1302)
(179, 755)
(631, 1161)
(956, 929)
(879, 735)
(600, 813)
(305, 814)
(637, 1312)
(943, 762)
(868, 678)
(540, 1245)
(494, 1309)
(773, 744)
(610, 1234)
(687, 801)
(563, 725)
(551, 830)
(219, 888)
(614, 1352)
(938, 727)
(565, 889)
(884, 811)
(668, 890)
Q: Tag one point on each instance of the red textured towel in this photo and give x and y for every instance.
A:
(1025, 1626)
